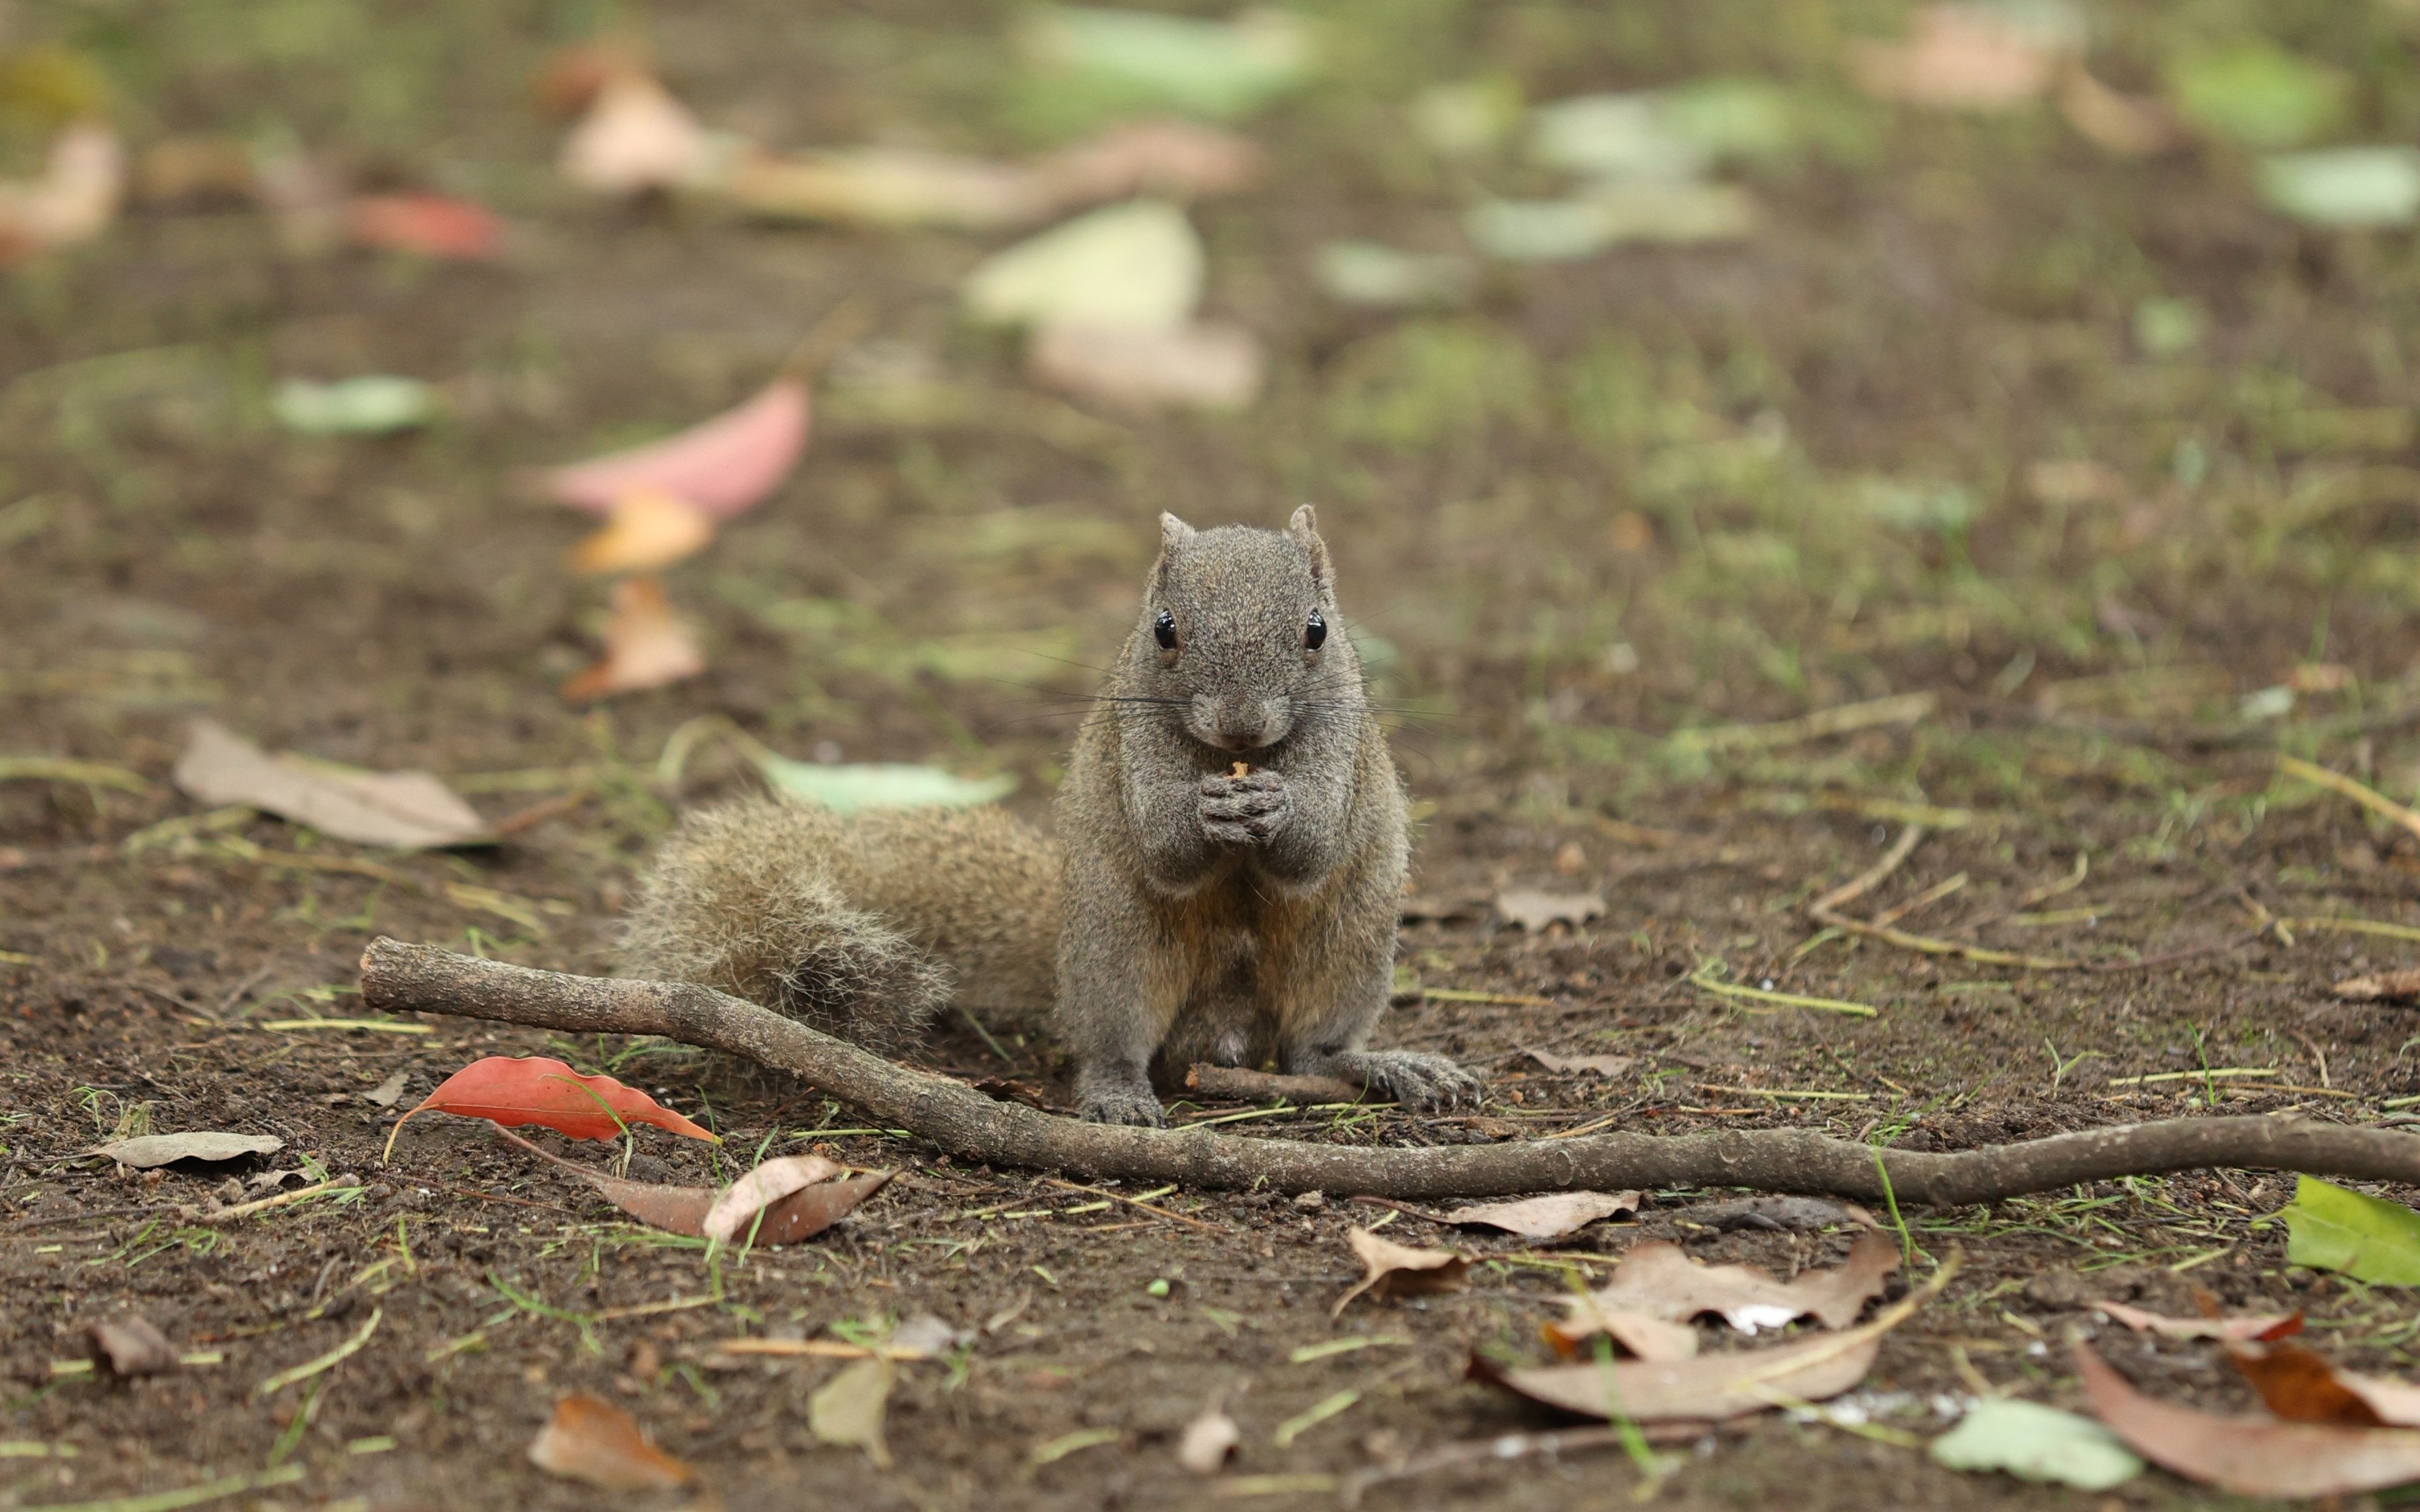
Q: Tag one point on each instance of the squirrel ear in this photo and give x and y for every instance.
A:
(1304, 528)
(1173, 532)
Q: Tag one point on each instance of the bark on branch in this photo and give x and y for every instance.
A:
(407, 978)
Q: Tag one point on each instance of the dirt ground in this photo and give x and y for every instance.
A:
(1607, 503)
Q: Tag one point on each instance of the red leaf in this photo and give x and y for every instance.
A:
(433, 226)
(534, 1089)
(722, 467)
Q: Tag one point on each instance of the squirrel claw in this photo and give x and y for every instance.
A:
(1120, 1104)
(1422, 1082)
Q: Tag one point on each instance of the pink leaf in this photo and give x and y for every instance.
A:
(722, 467)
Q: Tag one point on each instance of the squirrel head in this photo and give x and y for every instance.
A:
(1240, 632)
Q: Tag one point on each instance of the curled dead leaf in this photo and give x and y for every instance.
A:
(410, 809)
(1957, 57)
(647, 645)
(1710, 1388)
(74, 200)
(1584, 1065)
(2251, 1326)
(1551, 1216)
(2246, 1455)
(591, 1440)
(1401, 1270)
(751, 1193)
(1658, 1280)
(131, 1345)
(2400, 986)
(649, 529)
(1536, 911)
(2129, 126)
(1207, 1441)
(848, 1409)
(148, 1151)
(2300, 1387)
(1201, 365)
(634, 137)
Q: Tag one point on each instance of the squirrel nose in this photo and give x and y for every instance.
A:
(1243, 724)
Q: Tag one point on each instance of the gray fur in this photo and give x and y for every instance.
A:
(1196, 914)
(1233, 916)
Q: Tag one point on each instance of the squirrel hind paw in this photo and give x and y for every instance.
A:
(1422, 1082)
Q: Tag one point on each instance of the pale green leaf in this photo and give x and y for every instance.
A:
(2037, 1443)
(1131, 266)
(2345, 186)
(1206, 68)
(372, 404)
(848, 788)
(1367, 272)
(2255, 95)
(1613, 136)
(2329, 1228)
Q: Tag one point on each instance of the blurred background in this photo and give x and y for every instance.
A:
(1656, 369)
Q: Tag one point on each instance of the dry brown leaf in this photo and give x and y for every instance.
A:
(647, 530)
(1957, 57)
(1653, 1339)
(1715, 1387)
(591, 1440)
(1705, 1388)
(885, 186)
(1548, 1217)
(1170, 157)
(647, 645)
(2300, 1387)
(1207, 1441)
(2122, 124)
(767, 1184)
(1584, 1065)
(1537, 911)
(1203, 365)
(2248, 1456)
(387, 1093)
(131, 1345)
(148, 1151)
(1399, 1270)
(410, 809)
(184, 170)
(2400, 986)
(683, 1209)
(1658, 1280)
(75, 198)
(2142, 1321)
(634, 137)
(848, 1409)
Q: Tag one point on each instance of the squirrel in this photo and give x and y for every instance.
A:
(1232, 845)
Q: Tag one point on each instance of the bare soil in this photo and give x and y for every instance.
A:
(1951, 305)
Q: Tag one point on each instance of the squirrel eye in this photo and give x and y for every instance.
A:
(1163, 630)
(1315, 632)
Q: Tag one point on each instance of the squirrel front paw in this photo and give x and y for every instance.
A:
(1244, 810)
(1120, 1104)
(1423, 1083)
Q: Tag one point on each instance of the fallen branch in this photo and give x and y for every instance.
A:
(418, 979)
(1241, 1085)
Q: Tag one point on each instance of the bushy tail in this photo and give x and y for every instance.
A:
(862, 927)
